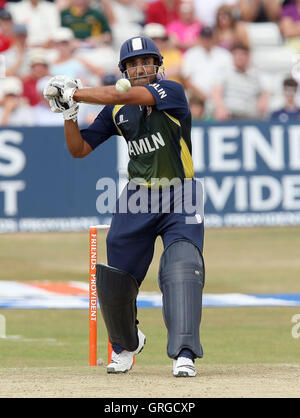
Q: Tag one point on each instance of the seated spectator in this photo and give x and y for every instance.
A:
(6, 30)
(184, 31)
(14, 110)
(69, 64)
(39, 68)
(15, 52)
(239, 94)
(206, 11)
(202, 64)
(260, 10)
(88, 24)
(228, 30)
(197, 108)
(290, 111)
(130, 11)
(172, 56)
(290, 24)
(126, 18)
(40, 17)
(162, 11)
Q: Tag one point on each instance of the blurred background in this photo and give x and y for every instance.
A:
(206, 46)
(239, 63)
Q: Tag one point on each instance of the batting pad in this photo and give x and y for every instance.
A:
(181, 280)
(117, 292)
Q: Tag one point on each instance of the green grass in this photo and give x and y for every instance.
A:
(254, 260)
(56, 338)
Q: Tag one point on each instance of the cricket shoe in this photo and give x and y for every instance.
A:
(122, 363)
(183, 367)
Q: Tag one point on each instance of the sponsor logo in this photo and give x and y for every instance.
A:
(145, 145)
(159, 90)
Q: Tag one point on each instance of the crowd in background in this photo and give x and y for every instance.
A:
(237, 59)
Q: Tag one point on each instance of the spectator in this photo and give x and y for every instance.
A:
(197, 108)
(228, 30)
(130, 11)
(290, 111)
(40, 17)
(184, 31)
(13, 41)
(162, 11)
(6, 30)
(260, 10)
(172, 56)
(15, 56)
(39, 68)
(88, 24)
(126, 18)
(69, 64)
(239, 94)
(14, 110)
(290, 24)
(202, 64)
(206, 11)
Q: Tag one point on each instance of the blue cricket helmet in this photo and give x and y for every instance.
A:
(139, 45)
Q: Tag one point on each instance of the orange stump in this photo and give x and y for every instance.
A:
(93, 300)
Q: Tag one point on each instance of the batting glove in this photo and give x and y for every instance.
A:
(56, 106)
(71, 113)
(63, 87)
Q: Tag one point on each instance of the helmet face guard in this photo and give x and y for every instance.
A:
(158, 72)
(136, 47)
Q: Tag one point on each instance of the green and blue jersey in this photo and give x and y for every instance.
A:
(158, 137)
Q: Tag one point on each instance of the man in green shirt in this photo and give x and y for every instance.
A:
(87, 23)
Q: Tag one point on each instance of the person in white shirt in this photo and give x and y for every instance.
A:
(239, 93)
(206, 11)
(40, 17)
(202, 64)
(14, 110)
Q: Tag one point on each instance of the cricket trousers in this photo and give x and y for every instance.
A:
(143, 214)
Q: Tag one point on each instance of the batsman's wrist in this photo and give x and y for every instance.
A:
(75, 95)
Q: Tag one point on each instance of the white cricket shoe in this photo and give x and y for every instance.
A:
(122, 363)
(183, 367)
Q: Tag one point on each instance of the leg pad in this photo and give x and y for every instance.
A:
(117, 292)
(181, 280)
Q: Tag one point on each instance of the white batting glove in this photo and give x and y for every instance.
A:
(69, 89)
(63, 88)
(59, 91)
(56, 106)
(71, 113)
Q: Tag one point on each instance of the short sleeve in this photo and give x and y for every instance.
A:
(101, 129)
(170, 96)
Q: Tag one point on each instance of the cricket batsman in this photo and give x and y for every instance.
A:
(153, 116)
